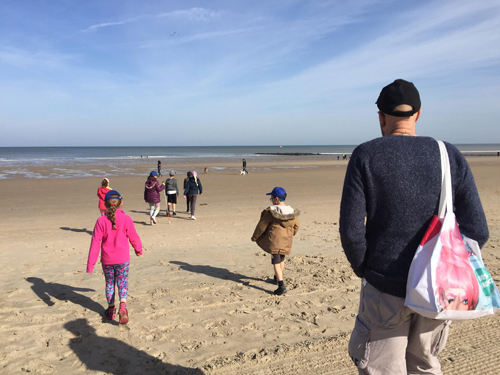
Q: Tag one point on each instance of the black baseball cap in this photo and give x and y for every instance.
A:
(397, 93)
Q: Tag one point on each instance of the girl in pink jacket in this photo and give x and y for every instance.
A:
(101, 193)
(111, 236)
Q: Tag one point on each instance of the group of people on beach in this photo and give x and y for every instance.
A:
(274, 233)
(153, 188)
(390, 194)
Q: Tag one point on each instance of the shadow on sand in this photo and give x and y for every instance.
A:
(220, 273)
(62, 292)
(78, 230)
(111, 356)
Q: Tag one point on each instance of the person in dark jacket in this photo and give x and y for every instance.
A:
(189, 174)
(159, 167)
(152, 191)
(191, 189)
(245, 166)
(391, 192)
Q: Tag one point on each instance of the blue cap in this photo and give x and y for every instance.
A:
(153, 173)
(109, 195)
(278, 192)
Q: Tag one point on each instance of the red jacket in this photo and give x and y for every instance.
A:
(101, 193)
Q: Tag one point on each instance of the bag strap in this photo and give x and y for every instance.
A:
(446, 198)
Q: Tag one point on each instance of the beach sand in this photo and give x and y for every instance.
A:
(201, 297)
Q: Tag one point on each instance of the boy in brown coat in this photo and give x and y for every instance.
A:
(274, 233)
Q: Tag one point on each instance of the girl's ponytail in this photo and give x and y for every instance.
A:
(112, 201)
(112, 205)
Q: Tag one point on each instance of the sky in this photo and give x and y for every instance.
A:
(228, 72)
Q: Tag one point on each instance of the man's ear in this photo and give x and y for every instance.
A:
(381, 119)
(418, 114)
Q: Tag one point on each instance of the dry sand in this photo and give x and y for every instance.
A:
(201, 298)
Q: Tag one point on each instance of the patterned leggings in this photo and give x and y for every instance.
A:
(154, 209)
(116, 274)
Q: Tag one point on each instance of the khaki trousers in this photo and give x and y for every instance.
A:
(389, 338)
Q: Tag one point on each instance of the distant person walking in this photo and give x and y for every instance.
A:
(244, 166)
(193, 187)
(152, 191)
(111, 237)
(159, 167)
(189, 174)
(101, 193)
(274, 233)
(171, 192)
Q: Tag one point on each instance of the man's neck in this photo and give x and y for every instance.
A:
(402, 132)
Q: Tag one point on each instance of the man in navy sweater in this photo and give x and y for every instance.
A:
(391, 192)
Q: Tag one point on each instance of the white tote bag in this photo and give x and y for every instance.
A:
(447, 278)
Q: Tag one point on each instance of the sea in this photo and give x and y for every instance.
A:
(65, 162)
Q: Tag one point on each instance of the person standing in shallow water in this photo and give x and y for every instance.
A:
(274, 233)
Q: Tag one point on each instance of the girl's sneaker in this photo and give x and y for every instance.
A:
(123, 313)
(154, 220)
(110, 313)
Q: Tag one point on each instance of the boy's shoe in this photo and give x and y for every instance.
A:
(123, 313)
(174, 213)
(281, 290)
(192, 217)
(110, 313)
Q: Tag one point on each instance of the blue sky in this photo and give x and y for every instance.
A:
(179, 73)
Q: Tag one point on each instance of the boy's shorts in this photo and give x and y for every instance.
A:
(172, 198)
(277, 258)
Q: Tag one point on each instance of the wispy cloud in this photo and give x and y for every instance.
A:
(108, 24)
(193, 14)
(432, 42)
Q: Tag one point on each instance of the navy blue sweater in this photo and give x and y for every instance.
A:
(395, 182)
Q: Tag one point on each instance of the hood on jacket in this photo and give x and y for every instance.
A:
(284, 217)
(150, 184)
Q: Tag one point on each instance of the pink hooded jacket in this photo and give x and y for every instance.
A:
(113, 244)
(101, 193)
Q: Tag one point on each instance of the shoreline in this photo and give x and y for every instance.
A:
(181, 166)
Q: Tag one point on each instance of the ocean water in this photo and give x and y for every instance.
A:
(64, 162)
